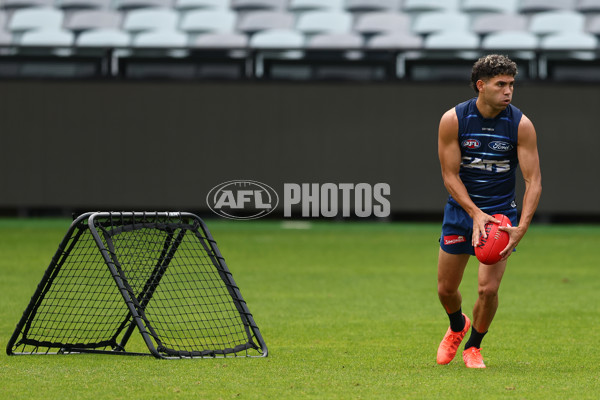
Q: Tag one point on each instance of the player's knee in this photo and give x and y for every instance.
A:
(488, 292)
(445, 291)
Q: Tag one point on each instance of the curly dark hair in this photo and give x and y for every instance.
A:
(490, 66)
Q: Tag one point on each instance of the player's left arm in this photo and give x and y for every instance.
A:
(529, 160)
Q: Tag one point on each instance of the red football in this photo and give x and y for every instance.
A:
(488, 250)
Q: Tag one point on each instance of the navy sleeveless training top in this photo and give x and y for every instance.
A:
(488, 149)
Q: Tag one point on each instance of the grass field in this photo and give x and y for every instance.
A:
(348, 310)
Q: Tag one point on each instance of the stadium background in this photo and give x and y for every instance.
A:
(147, 134)
(348, 310)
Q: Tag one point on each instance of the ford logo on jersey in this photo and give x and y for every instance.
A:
(471, 143)
(500, 146)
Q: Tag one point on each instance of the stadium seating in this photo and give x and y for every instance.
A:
(323, 5)
(35, 18)
(169, 38)
(436, 21)
(5, 36)
(312, 22)
(241, 5)
(569, 40)
(335, 41)
(198, 21)
(83, 4)
(452, 39)
(134, 4)
(103, 37)
(510, 40)
(308, 17)
(488, 23)
(201, 4)
(556, 21)
(430, 5)
(16, 4)
(378, 22)
(277, 39)
(146, 19)
(256, 21)
(47, 37)
(489, 6)
(534, 6)
(82, 20)
(588, 6)
(395, 25)
(593, 25)
(372, 5)
(395, 40)
(220, 40)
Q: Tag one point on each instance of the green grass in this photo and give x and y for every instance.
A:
(348, 310)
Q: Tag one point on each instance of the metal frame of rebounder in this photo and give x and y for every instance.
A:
(128, 221)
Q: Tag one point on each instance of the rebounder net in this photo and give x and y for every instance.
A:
(138, 280)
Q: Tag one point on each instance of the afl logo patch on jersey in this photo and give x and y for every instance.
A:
(500, 146)
(471, 143)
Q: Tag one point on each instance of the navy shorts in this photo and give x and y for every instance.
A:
(457, 229)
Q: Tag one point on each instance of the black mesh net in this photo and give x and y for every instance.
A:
(160, 275)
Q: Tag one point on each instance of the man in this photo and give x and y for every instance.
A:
(480, 144)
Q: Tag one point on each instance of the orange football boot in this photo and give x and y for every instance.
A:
(450, 343)
(472, 358)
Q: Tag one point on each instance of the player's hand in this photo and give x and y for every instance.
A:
(515, 235)
(479, 222)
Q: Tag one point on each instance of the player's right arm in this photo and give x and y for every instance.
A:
(450, 159)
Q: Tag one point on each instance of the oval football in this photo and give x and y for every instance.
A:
(488, 250)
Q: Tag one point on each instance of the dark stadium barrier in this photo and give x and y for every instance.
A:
(163, 145)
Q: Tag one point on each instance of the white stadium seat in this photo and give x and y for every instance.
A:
(395, 40)
(103, 38)
(261, 20)
(547, 22)
(452, 40)
(510, 40)
(312, 22)
(336, 41)
(160, 38)
(208, 21)
(378, 22)
(277, 39)
(47, 37)
(435, 21)
(35, 18)
(150, 19)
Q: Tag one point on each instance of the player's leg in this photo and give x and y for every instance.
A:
(455, 248)
(451, 268)
(486, 304)
(489, 279)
